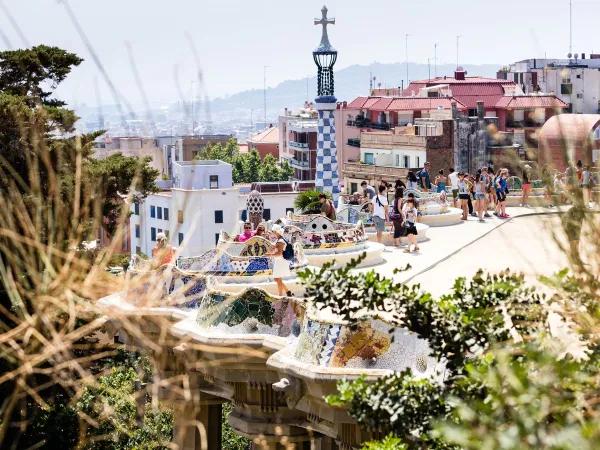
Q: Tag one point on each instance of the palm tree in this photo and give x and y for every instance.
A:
(308, 201)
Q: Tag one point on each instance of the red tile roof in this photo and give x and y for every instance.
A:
(357, 103)
(423, 103)
(530, 101)
(267, 136)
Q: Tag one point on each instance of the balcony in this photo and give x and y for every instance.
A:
(523, 124)
(359, 170)
(303, 125)
(381, 140)
(299, 164)
(354, 142)
(380, 126)
(298, 145)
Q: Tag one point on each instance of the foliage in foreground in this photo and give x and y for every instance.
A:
(507, 385)
(231, 440)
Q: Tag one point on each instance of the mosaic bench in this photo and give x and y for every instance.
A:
(318, 232)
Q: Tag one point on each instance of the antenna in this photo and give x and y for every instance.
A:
(570, 27)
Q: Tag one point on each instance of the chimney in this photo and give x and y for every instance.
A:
(583, 56)
(454, 111)
(459, 74)
(480, 110)
(286, 112)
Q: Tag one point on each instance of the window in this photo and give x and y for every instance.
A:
(579, 77)
(566, 88)
(406, 162)
(216, 238)
(516, 78)
(166, 213)
(153, 234)
(153, 211)
(267, 214)
(354, 187)
(159, 213)
(136, 209)
(289, 210)
(180, 238)
(398, 160)
(244, 215)
(214, 181)
(433, 94)
(566, 80)
(472, 112)
(138, 250)
(180, 216)
(137, 231)
(418, 163)
(218, 216)
(579, 95)
(368, 158)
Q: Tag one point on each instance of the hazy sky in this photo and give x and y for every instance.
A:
(236, 38)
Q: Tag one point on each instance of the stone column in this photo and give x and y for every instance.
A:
(327, 176)
(197, 427)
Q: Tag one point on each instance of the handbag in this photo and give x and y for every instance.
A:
(395, 213)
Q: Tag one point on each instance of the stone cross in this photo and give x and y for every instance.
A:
(325, 45)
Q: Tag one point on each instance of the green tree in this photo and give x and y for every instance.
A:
(268, 169)
(287, 171)
(232, 149)
(253, 167)
(308, 201)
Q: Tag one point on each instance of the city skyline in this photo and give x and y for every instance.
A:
(231, 53)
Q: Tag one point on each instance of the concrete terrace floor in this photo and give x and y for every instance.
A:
(523, 244)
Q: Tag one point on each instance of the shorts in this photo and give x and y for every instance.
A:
(379, 224)
(463, 196)
(585, 186)
(527, 186)
(479, 197)
(501, 196)
(411, 229)
(454, 193)
(419, 214)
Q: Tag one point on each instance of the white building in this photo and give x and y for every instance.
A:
(202, 202)
(574, 81)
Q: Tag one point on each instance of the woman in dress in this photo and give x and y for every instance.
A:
(397, 218)
(440, 181)
(281, 266)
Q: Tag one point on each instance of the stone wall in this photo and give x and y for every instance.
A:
(440, 149)
(474, 143)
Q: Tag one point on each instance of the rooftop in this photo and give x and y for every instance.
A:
(530, 101)
(405, 103)
(267, 136)
(207, 162)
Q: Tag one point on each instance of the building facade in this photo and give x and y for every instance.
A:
(265, 143)
(131, 146)
(202, 202)
(298, 142)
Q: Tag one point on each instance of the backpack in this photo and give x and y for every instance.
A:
(288, 251)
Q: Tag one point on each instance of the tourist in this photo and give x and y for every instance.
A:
(355, 199)
(579, 172)
(412, 182)
(368, 190)
(501, 191)
(586, 185)
(559, 187)
(425, 178)
(453, 178)
(548, 183)
(440, 181)
(380, 211)
(491, 190)
(327, 208)
(416, 201)
(471, 181)
(526, 185)
(397, 218)
(463, 195)
(480, 185)
(247, 233)
(399, 184)
(261, 231)
(162, 253)
(410, 217)
(281, 264)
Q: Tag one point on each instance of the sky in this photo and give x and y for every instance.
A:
(235, 39)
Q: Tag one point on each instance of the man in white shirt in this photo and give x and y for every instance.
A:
(380, 212)
(453, 178)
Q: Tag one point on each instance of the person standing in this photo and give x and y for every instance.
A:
(327, 208)
(281, 265)
(471, 181)
(440, 182)
(480, 186)
(548, 183)
(463, 195)
(453, 178)
(412, 182)
(397, 217)
(586, 185)
(491, 190)
(380, 211)
(501, 191)
(162, 253)
(369, 193)
(526, 185)
(410, 217)
(425, 178)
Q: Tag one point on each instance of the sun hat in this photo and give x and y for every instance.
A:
(160, 236)
(277, 229)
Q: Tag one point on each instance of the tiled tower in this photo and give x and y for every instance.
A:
(327, 177)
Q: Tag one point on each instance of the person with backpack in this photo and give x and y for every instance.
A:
(397, 218)
(282, 255)
(327, 208)
(380, 212)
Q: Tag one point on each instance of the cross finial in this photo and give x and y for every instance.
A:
(325, 45)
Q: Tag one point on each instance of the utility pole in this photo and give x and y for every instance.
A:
(429, 68)
(192, 92)
(306, 88)
(435, 60)
(407, 35)
(457, 39)
(265, 92)
(251, 121)
(570, 27)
